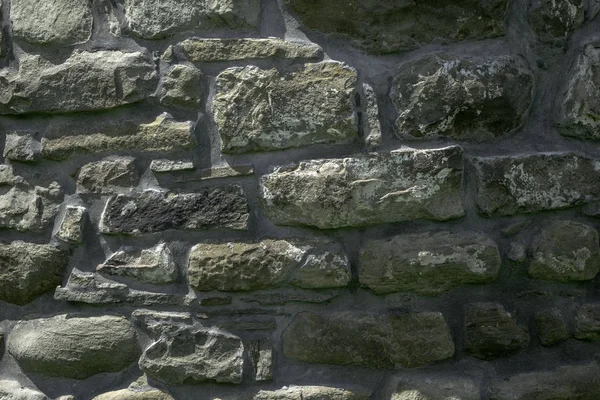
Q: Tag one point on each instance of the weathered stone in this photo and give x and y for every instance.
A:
(428, 263)
(85, 81)
(246, 323)
(510, 185)
(587, 322)
(103, 177)
(156, 19)
(402, 185)
(13, 390)
(314, 393)
(156, 323)
(211, 301)
(551, 327)
(565, 251)
(267, 264)
(154, 265)
(475, 99)
(376, 341)
(261, 355)
(569, 382)
(73, 347)
(128, 394)
(27, 270)
(215, 172)
(162, 166)
(580, 111)
(181, 86)
(391, 26)
(164, 134)
(52, 22)
(22, 146)
(215, 50)
(373, 135)
(555, 18)
(436, 387)
(517, 252)
(263, 110)
(153, 211)
(193, 355)
(279, 297)
(71, 227)
(491, 332)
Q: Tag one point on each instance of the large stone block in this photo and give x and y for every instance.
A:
(402, 185)
(260, 110)
(14, 390)
(73, 347)
(376, 341)
(428, 263)
(474, 99)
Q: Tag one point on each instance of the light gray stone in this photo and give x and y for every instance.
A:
(509, 185)
(73, 347)
(182, 86)
(373, 136)
(555, 18)
(565, 251)
(22, 146)
(128, 394)
(71, 227)
(270, 263)
(13, 390)
(371, 340)
(162, 166)
(107, 176)
(156, 323)
(315, 393)
(51, 22)
(263, 110)
(401, 185)
(261, 354)
(436, 387)
(428, 263)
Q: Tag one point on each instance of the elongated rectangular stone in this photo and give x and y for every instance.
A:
(401, 185)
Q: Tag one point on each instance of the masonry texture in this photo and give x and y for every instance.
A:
(299, 200)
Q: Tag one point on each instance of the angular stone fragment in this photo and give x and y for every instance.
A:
(155, 323)
(157, 19)
(215, 172)
(373, 136)
(153, 211)
(162, 166)
(261, 354)
(103, 177)
(267, 264)
(376, 341)
(580, 112)
(555, 18)
(587, 322)
(182, 86)
(474, 99)
(389, 26)
(375, 188)
(71, 227)
(51, 22)
(551, 327)
(509, 185)
(27, 270)
(22, 146)
(565, 251)
(215, 50)
(264, 110)
(279, 297)
(13, 390)
(128, 394)
(569, 382)
(194, 355)
(436, 387)
(517, 252)
(428, 263)
(164, 135)
(491, 332)
(154, 265)
(73, 347)
(315, 393)
(85, 81)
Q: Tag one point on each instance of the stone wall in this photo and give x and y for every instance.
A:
(300, 199)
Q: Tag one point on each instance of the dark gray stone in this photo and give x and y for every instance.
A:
(551, 327)
(587, 322)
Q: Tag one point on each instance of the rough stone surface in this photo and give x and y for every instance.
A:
(376, 341)
(71, 227)
(492, 332)
(511, 185)
(27, 270)
(104, 177)
(85, 81)
(587, 322)
(392, 26)
(156, 323)
(314, 393)
(267, 264)
(475, 99)
(436, 387)
(162, 166)
(154, 211)
(565, 251)
(261, 353)
(22, 146)
(569, 382)
(154, 265)
(194, 355)
(182, 86)
(157, 19)
(13, 390)
(556, 18)
(551, 327)
(262, 110)
(164, 135)
(373, 136)
(52, 22)
(402, 185)
(128, 394)
(73, 347)
(216, 50)
(428, 263)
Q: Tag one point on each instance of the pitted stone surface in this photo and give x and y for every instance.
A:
(22, 146)
(72, 225)
(402, 185)
(182, 86)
